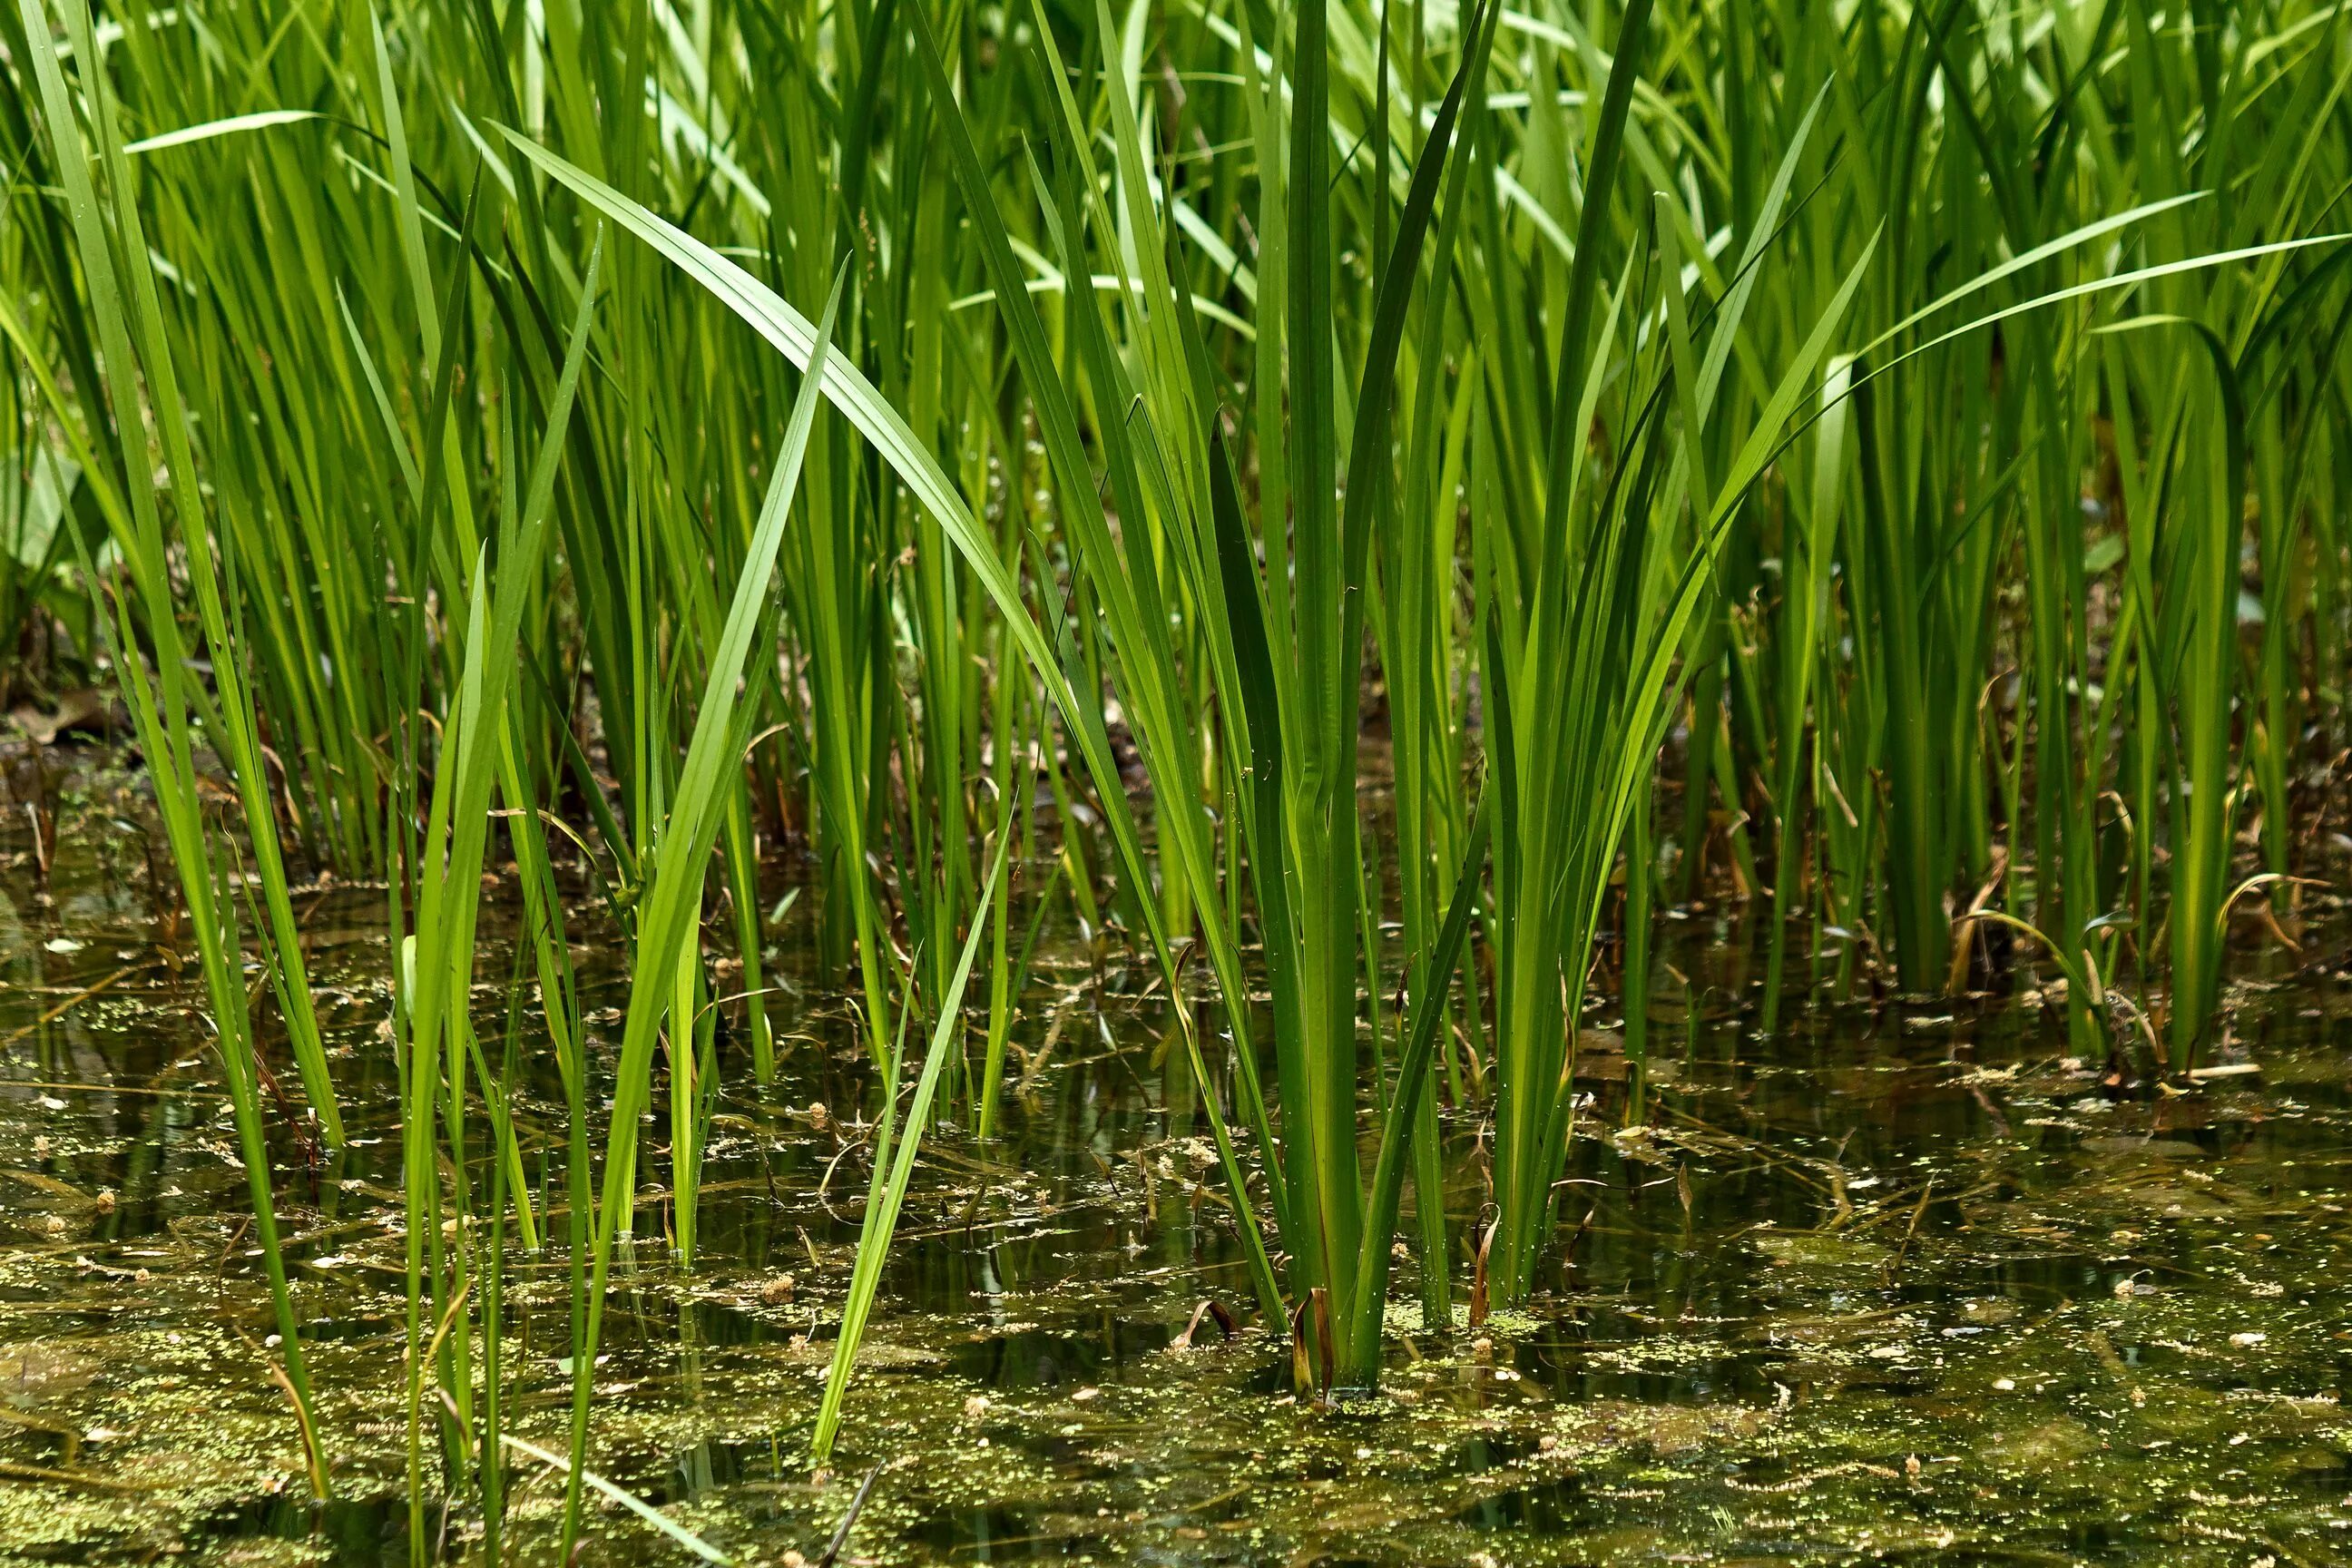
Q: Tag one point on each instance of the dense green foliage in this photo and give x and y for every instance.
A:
(1877, 462)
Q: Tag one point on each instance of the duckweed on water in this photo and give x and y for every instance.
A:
(1953, 1303)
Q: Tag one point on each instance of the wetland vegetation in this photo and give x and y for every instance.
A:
(810, 781)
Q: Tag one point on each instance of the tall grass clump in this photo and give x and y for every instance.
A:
(1363, 503)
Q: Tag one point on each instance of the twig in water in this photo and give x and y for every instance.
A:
(1895, 1262)
(856, 1505)
(638, 1506)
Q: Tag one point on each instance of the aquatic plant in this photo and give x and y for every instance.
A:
(1873, 467)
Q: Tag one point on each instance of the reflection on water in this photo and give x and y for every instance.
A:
(1900, 1284)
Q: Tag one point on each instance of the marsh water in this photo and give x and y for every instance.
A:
(1902, 1282)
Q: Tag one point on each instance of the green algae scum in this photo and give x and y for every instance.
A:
(1393, 782)
(1902, 1282)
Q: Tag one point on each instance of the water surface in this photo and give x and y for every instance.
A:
(1902, 1283)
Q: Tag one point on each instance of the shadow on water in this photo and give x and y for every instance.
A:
(1897, 1284)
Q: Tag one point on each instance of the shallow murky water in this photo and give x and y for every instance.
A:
(1902, 1284)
